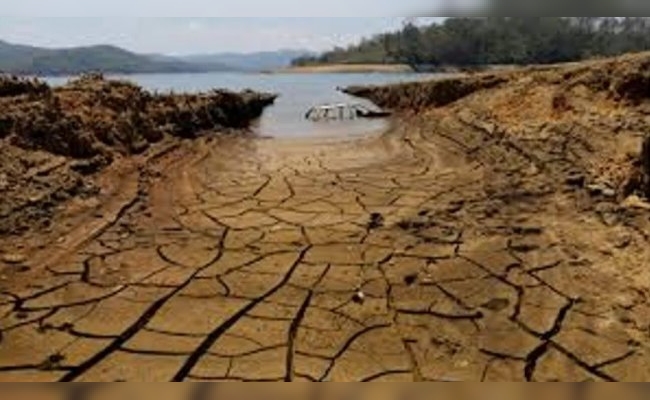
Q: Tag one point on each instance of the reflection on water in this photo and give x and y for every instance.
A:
(298, 92)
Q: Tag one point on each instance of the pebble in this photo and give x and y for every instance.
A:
(376, 221)
(635, 201)
(594, 190)
(607, 216)
(359, 297)
(14, 258)
(610, 193)
(34, 199)
(577, 180)
(601, 190)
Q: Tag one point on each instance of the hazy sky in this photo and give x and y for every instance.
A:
(173, 27)
(193, 35)
(214, 8)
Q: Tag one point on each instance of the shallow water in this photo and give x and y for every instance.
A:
(298, 92)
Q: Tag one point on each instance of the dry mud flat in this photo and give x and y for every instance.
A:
(498, 233)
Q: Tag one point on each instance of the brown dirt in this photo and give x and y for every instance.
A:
(52, 140)
(489, 239)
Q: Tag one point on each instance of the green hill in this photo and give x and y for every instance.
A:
(28, 60)
(496, 40)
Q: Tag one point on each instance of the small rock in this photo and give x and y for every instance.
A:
(14, 258)
(359, 297)
(532, 170)
(608, 214)
(609, 193)
(376, 221)
(601, 190)
(455, 206)
(635, 201)
(577, 180)
(34, 199)
(56, 358)
(89, 166)
(622, 240)
(610, 219)
(594, 190)
(52, 362)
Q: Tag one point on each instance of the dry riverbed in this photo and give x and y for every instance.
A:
(498, 232)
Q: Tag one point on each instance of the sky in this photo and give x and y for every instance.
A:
(172, 27)
(193, 35)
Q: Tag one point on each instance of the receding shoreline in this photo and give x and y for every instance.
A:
(346, 68)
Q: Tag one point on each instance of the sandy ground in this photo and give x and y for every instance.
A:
(441, 251)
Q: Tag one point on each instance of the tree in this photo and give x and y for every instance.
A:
(410, 45)
(498, 40)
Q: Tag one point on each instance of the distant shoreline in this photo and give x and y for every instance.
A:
(346, 68)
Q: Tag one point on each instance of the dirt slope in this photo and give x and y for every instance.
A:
(53, 139)
(491, 238)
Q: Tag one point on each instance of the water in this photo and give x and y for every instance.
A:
(298, 92)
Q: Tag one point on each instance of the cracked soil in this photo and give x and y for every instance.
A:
(448, 249)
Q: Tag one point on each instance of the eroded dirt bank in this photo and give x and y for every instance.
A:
(496, 237)
(54, 141)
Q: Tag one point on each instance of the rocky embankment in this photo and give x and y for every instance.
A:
(561, 162)
(585, 121)
(53, 139)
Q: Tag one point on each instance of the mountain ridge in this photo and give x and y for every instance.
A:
(251, 61)
(21, 59)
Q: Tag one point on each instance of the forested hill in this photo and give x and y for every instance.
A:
(29, 60)
(497, 40)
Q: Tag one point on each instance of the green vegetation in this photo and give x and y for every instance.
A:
(28, 60)
(468, 42)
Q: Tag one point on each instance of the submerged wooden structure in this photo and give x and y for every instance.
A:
(343, 111)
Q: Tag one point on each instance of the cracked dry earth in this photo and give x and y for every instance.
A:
(410, 256)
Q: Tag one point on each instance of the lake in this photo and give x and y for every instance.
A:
(298, 92)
